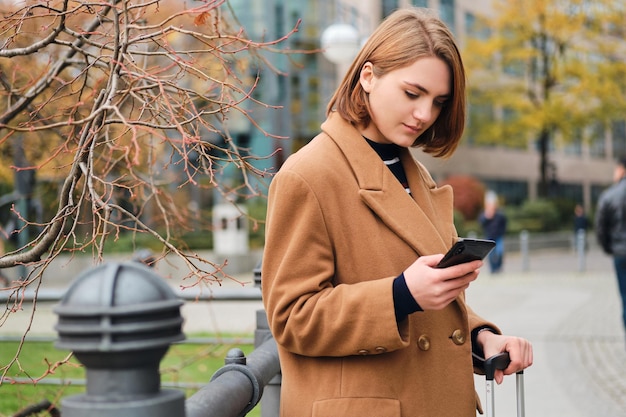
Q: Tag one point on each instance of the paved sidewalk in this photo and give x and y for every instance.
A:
(573, 319)
(200, 317)
(571, 316)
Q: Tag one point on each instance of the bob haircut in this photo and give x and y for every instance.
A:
(402, 38)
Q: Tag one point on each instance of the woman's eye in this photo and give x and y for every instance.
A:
(411, 94)
(440, 103)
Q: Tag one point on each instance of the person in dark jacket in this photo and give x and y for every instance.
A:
(493, 222)
(610, 226)
(581, 225)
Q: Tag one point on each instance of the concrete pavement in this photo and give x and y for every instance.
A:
(214, 317)
(572, 317)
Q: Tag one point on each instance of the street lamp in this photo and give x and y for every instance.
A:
(340, 43)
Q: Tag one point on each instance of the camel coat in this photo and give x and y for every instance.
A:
(339, 229)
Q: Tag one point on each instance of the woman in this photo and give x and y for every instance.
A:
(365, 322)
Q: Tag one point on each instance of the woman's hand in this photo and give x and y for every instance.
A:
(520, 351)
(434, 288)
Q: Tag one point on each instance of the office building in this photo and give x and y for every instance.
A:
(578, 169)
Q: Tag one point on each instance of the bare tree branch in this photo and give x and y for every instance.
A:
(127, 108)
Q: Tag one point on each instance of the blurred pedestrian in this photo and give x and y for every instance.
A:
(581, 224)
(610, 226)
(494, 222)
(365, 322)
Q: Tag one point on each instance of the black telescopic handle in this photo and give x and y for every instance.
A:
(498, 361)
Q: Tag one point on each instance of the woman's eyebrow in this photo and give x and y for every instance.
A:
(424, 89)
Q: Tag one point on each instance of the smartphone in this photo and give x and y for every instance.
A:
(466, 250)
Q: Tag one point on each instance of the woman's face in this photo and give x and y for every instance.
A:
(406, 101)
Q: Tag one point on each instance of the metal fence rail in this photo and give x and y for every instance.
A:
(236, 388)
(56, 294)
(120, 337)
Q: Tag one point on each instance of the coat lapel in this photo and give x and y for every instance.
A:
(427, 214)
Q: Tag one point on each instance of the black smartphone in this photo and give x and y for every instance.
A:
(466, 250)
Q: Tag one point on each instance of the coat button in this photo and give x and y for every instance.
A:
(458, 337)
(381, 349)
(423, 342)
(364, 352)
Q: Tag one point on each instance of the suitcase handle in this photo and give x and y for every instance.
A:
(495, 362)
(490, 365)
(498, 361)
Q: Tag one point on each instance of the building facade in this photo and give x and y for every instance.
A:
(579, 170)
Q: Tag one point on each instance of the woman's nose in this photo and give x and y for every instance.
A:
(423, 111)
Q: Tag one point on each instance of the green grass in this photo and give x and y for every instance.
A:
(183, 363)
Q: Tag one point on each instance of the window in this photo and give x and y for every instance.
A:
(513, 67)
(512, 135)
(513, 193)
(470, 25)
(389, 6)
(446, 11)
(570, 192)
(619, 138)
(479, 115)
(597, 143)
(574, 144)
(476, 28)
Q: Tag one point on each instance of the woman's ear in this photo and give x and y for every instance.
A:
(366, 77)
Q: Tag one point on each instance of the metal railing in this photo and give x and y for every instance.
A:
(526, 243)
(242, 381)
(121, 343)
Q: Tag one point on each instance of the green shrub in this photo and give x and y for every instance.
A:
(197, 240)
(257, 210)
(202, 239)
(459, 223)
(534, 216)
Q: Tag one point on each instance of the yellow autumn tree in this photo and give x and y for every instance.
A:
(540, 68)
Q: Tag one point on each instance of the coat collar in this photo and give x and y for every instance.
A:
(428, 213)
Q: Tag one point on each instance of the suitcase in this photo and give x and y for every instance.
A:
(501, 361)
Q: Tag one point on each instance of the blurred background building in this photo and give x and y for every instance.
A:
(579, 169)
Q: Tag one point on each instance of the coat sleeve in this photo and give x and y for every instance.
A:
(477, 322)
(308, 312)
(602, 226)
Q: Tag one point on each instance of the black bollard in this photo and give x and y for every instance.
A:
(119, 319)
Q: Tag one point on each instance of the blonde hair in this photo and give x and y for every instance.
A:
(402, 38)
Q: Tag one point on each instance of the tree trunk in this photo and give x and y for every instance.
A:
(544, 142)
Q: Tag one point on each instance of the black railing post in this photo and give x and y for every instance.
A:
(119, 319)
(524, 248)
(270, 402)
